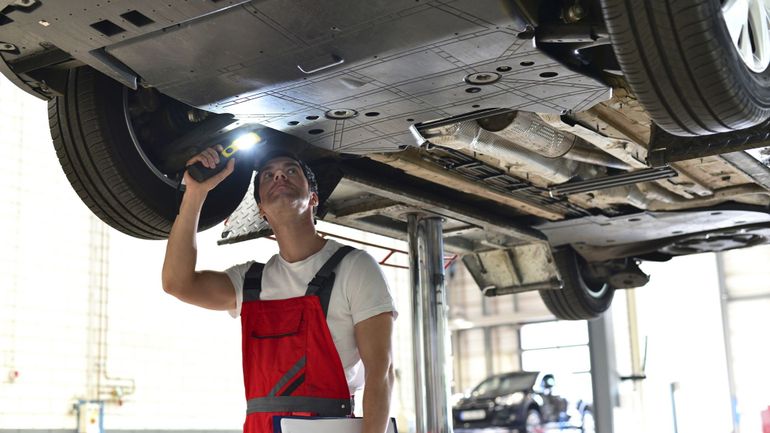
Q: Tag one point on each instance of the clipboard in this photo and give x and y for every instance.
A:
(304, 424)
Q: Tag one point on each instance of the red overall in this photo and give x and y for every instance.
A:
(290, 363)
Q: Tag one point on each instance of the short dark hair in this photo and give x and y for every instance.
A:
(261, 162)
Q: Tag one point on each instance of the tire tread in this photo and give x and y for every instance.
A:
(86, 145)
(674, 57)
(571, 301)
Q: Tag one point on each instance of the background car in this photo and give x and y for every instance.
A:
(522, 402)
(562, 142)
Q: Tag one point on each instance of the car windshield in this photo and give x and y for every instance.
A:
(507, 384)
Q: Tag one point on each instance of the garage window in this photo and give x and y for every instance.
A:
(560, 348)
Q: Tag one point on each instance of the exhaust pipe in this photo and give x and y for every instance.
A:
(469, 135)
(525, 142)
(529, 131)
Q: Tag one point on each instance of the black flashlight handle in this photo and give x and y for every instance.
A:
(200, 173)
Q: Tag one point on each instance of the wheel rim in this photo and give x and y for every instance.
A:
(138, 146)
(749, 28)
(596, 291)
(593, 289)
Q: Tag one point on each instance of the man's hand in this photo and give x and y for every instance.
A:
(206, 289)
(209, 158)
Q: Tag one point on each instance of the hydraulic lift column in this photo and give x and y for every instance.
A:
(429, 320)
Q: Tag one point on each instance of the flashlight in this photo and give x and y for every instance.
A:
(244, 142)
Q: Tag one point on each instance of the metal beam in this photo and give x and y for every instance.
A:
(439, 201)
(603, 371)
(429, 313)
(724, 301)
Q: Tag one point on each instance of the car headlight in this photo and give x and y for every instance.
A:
(510, 399)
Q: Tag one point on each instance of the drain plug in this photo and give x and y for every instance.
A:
(482, 78)
(341, 114)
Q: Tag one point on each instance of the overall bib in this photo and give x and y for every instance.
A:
(290, 363)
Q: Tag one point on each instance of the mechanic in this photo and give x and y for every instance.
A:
(295, 361)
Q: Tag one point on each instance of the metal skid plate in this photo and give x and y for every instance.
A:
(604, 238)
(85, 28)
(513, 270)
(245, 223)
(601, 230)
(347, 76)
(353, 76)
(395, 91)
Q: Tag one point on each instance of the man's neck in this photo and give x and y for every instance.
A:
(298, 241)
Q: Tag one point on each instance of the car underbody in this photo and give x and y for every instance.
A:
(512, 121)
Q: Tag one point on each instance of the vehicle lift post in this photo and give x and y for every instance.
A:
(604, 379)
(430, 341)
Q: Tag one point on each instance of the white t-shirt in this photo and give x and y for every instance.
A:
(359, 292)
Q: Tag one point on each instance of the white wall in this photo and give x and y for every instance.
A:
(184, 361)
(748, 303)
(680, 314)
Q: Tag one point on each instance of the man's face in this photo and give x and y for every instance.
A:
(282, 183)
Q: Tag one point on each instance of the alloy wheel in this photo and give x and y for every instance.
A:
(748, 23)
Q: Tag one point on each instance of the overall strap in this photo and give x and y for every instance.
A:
(321, 285)
(325, 407)
(252, 284)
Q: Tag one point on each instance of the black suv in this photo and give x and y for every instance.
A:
(521, 401)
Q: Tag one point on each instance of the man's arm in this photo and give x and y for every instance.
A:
(207, 289)
(373, 338)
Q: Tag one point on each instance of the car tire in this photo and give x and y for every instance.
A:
(579, 298)
(108, 169)
(680, 61)
(533, 423)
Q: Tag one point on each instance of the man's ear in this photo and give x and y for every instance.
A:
(314, 200)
